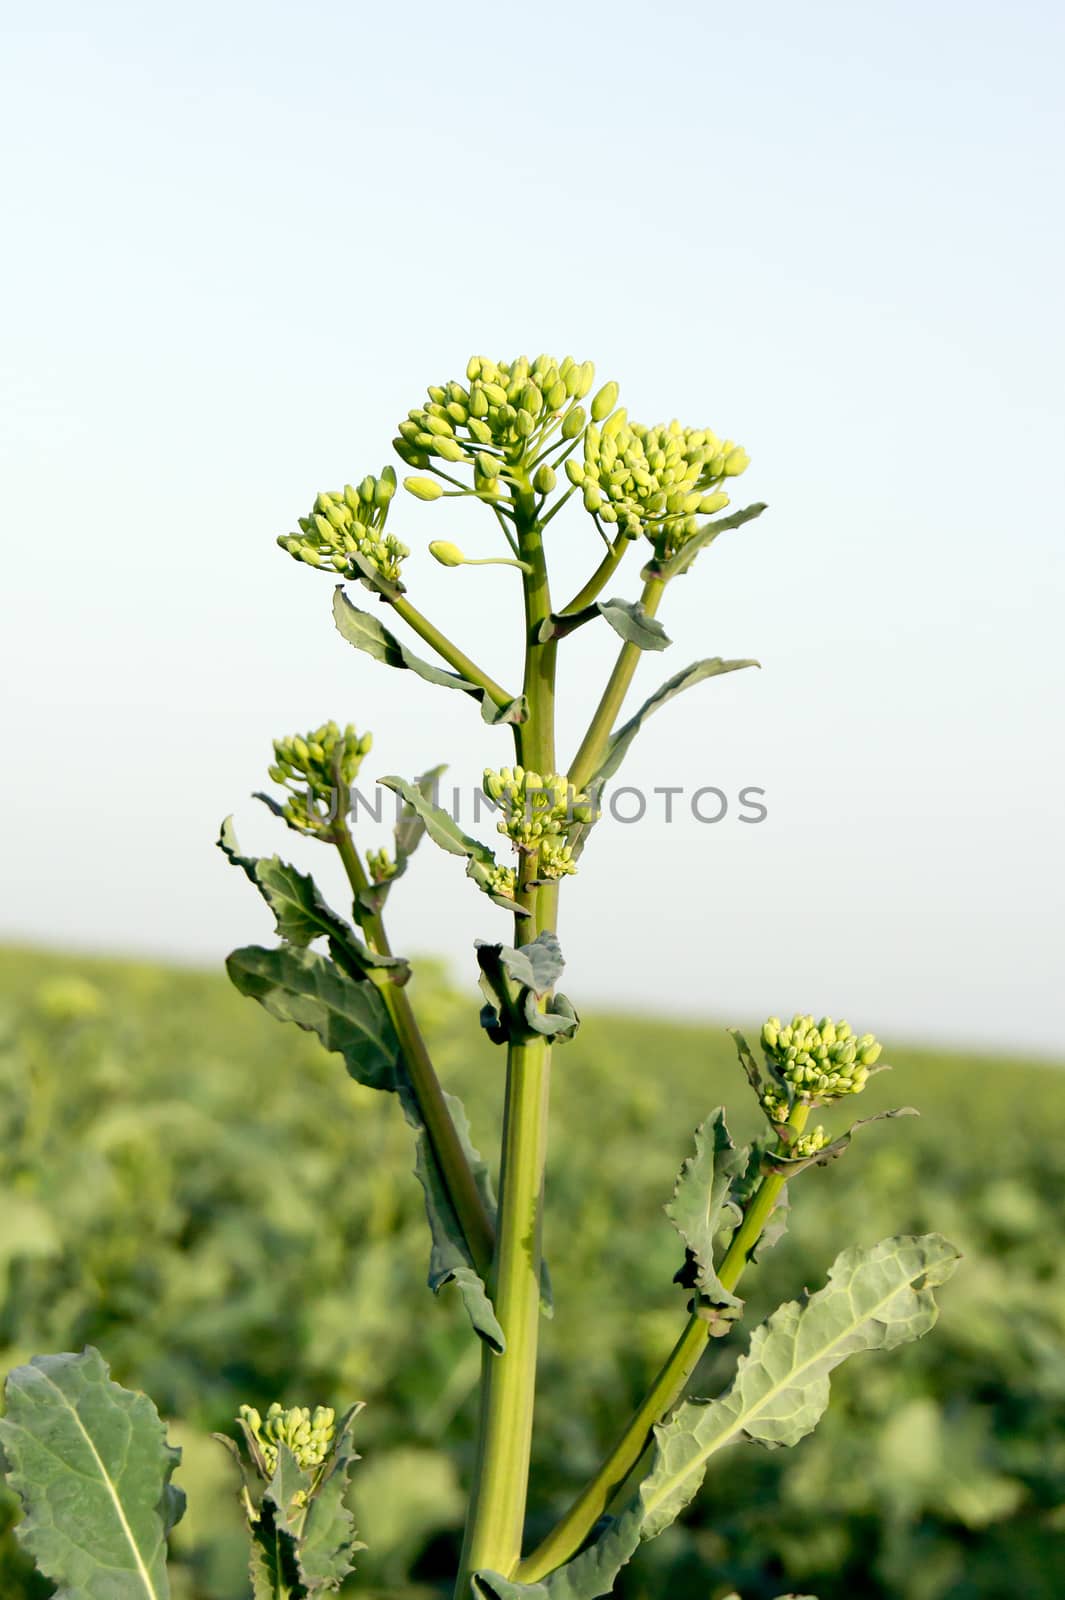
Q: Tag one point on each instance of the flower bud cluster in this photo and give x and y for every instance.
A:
(536, 811)
(308, 1437)
(380, 865)
(317, 769)
(821, 1060)
(350, 523)
(656, 481)
(502, 881)
(493, 419)
(808, 1144)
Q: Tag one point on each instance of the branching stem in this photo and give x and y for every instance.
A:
(567, 1537)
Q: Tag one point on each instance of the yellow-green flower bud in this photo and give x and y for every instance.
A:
(423, 488)
(818, 1060)
(604, 401)
(736, 461)
(449, 450)
(544, 479)
(448, 555)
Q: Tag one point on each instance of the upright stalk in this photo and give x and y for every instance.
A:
(567, 1537)
(496, 1519)
(593, 747)
(443, 1138)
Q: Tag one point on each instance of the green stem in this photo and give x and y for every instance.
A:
(443, 1137)
(593, 748)
(449, 652)
(567, 1537)
(496, 1518)
(597, 582)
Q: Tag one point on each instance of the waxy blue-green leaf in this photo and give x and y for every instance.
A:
(449, 1259)
(302, 915)
(628, 618)
(92, 1467)
(303, 987)
(514, 982)
(702, 1208)
(407, 835)
(366, 633)
(790, 1165)
(352, 1019)
(619, 744)
(328, 1540)
(682, 560)
(445, 832)
(874, 1300)
(305, 1532)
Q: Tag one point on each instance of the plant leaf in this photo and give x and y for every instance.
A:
(302, 915)
(366, 633)
(702, 1207)
(618, 747)
(91, 1464)
(790, 1165)
(303, 987)
(627, 618)
(682, 560)
(328, 1540)
(514, 981)
(874, 1300)
(352, 1019)
(445, 831)
(449, 1259)
(272, 1567)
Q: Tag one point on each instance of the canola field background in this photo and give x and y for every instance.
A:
(203, 1194)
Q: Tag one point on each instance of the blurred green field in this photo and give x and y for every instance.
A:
(205, 1195)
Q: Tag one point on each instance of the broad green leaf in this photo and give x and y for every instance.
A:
(91, 1464)
(303, 987)
(702, 1207)
(301, 913)
(352, 1019)
(627, 618)
(874, 1300)
(619, 744)
(682, 560)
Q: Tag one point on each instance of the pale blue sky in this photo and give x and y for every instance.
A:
(241, 239)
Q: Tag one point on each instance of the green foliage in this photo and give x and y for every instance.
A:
(92, 1466)
(209, 1199)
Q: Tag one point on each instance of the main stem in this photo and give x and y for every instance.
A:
(496, 1518)
(443, 1137)
(567, 1537)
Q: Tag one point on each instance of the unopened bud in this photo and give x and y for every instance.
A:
(604, 401)
(423, 488)
(448, 555)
